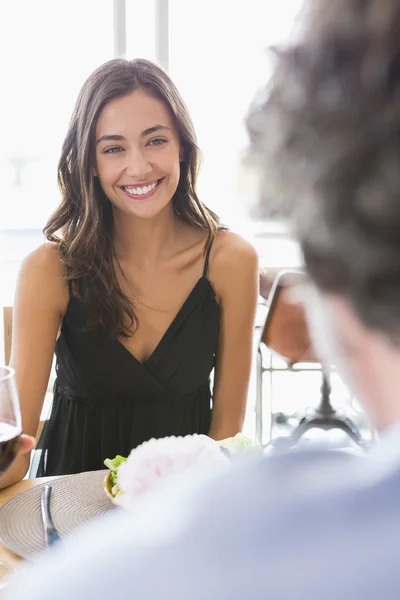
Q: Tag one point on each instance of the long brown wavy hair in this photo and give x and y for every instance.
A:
(82, 225)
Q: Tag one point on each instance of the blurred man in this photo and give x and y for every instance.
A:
(309, 524)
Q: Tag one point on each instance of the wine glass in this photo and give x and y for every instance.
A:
(10, 418)
(10, 438)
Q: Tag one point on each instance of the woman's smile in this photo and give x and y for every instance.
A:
(140, 192)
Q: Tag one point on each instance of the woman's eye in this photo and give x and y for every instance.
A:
(112, 150)
(157, 142)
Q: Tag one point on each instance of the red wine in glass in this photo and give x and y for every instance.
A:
(10, 440)
(10, 418)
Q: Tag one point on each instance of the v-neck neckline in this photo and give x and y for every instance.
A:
(169, 329)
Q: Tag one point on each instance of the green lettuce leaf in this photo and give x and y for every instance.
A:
(114, 464)
(240, 444)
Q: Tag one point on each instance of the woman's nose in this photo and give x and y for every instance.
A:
(137, 166)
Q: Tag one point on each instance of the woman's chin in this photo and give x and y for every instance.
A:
(142, 209)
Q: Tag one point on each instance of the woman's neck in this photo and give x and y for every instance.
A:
(146, 241)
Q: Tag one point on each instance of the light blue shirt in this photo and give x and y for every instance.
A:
(309, 525)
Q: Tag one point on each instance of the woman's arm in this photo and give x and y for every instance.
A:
(40, 301)
(235, 277)
(27, 444)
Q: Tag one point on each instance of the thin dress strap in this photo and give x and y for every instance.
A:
(70, 287)
(207, 258)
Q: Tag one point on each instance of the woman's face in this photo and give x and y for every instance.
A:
(137, 154)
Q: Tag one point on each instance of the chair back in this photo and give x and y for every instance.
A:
(285, 330)
(7, 329)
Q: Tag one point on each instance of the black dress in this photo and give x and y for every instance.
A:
(106, 402)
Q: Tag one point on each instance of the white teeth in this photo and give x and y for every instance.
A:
(138, 191)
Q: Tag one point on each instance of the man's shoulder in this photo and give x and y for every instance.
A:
(287, 479)
(291, 469)
(322, 489)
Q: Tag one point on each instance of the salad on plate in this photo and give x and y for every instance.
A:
(130, 477)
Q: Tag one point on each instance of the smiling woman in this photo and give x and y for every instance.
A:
(140, 289)
(142, 189)
(150, 157)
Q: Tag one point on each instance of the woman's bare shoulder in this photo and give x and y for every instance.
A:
(46, 256)
(233, 265)
(43, 271)
(231, 250)
(231, 256)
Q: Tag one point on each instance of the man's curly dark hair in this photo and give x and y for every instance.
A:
(327, 135)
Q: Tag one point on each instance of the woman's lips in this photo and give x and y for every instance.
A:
(141, 192)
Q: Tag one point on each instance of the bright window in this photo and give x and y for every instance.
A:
(217, 58)
(51, 47)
